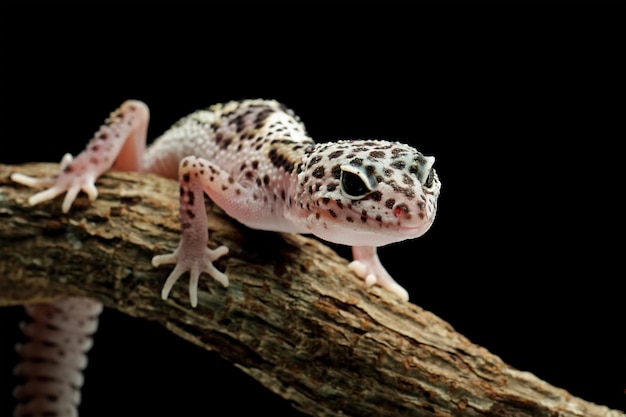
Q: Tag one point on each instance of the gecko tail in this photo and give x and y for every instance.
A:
(54, 356)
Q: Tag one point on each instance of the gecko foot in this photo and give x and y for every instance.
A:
(380, 278)
(194, 264)
(64, 182)
(367, 266)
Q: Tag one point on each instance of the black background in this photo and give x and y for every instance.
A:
(519, 110)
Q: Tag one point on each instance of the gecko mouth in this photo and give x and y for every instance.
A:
(413, 230)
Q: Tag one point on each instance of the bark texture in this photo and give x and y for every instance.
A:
(293, 316)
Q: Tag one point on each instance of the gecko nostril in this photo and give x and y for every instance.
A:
(400, 210)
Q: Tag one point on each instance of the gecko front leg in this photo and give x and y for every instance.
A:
(367, 266)
(192, 254)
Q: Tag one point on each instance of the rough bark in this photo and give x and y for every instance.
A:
(293, 316)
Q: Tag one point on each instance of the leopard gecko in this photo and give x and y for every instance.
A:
(254, 159)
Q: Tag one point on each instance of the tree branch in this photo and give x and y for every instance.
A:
(293, 316)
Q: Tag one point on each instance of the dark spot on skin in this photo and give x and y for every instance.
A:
(94, 148)
(186, 177)
(413, 169)
(255, 164)
(339, 204)
(68, 169)
(335, 154)
(282, 194)
(280, 161)
(266, 179)
(315, 160)
(332, 213)
(398, 164)
(225, 143)
(409, 193)
(190, 214)
(336, 171)
(379, 179)
(318, 172)
(185, 163)
(376, 196)
(357, 162)
(407, 180)
(242, 167)
(388, 172)
(377, 154)
(389, 203)
(317, 216)
(103, 136)
(349, 219)
(185, 226)
(238, 191)
(224, 188)
(363, 219)
(370, 169)
(421, 214)
(258, 182)
(379, 218)
(325, 200)
(231, 180)
(211, 178)
(331, 187)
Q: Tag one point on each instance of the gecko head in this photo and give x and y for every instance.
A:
(367, 192)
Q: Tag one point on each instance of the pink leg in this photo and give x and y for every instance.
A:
(119, 143)
(192, 254)
(366, 265)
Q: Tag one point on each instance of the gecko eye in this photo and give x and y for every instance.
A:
(352, 185)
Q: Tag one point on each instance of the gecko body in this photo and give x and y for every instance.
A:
(253, 159)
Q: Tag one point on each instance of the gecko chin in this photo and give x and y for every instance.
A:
(365, 236)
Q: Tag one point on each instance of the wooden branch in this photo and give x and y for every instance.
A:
(293, 316)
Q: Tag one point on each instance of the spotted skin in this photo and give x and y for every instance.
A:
(255, 160)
